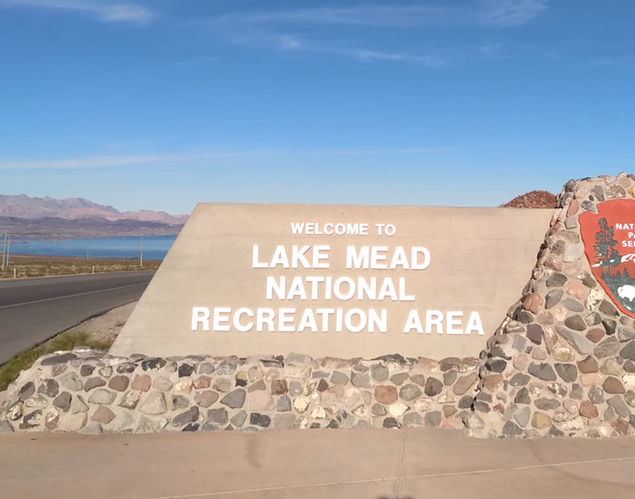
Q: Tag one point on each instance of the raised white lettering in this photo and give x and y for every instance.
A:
(255, 263)
(296, 289)
(338, 320)
(314, 281)
(474, 324)
(308, 321)
(454, 319)
(276, 287)
(355, 260)
(200, 315)
(221, 316)
(348, 320)
(376, 257)
(265, 316)
(320, 253)
(387, 289)
(416, 265)
(434, 318)
(297, 257)
(399, 258)
(279, 258)
(238, 325)
(337, 288)
(413, 322)
(402, 291)
(377, 321)
(370, 290)
(325, 312)
(285, 323)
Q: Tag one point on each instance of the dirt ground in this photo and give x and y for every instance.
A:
(107, 327)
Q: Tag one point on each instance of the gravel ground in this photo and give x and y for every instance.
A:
(106, 327)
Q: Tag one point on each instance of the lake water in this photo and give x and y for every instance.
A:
(154, 247)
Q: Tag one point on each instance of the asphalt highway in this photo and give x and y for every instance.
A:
(34, 310)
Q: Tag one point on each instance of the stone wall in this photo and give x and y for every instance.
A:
(563, 361)
(92, 392)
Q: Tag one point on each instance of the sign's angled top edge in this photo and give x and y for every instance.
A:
(374, 206)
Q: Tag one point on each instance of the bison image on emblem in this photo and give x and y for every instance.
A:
(626, 291)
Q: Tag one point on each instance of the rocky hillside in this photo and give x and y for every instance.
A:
(77, 209)
(533, 199)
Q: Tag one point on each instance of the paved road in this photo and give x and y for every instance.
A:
(313, 464)
(34, 310)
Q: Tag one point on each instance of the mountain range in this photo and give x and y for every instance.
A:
(77, 208)
(48, 218)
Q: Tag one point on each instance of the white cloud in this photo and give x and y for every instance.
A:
(329, 30)
(105, 11)
(288, 42)
(498, 13)
(363, 15)
(382, 152)
(110, 161)
(217, 158)
(431, 62)
(509, 13)
(196, 61)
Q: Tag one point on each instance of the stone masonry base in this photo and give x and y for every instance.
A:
(92, 392)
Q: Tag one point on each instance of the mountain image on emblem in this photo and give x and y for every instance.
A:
(621, 284)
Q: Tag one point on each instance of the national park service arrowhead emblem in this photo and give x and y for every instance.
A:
(609, 244)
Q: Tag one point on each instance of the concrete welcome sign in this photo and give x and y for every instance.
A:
(544, 298)
(342, 281)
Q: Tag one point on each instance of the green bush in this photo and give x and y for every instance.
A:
(67, 340)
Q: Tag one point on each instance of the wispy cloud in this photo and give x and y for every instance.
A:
(362, 15)
(603, 62)
(431, 61)
(288, 42)
(110, 161)
(215, 158)
(196, 61)
(381, 152)
(499, 13)
(329, 30)
(105, 11)
(510, 13)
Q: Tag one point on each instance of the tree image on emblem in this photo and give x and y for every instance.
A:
(605, 243)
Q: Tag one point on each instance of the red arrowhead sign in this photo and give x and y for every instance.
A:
(609, 244)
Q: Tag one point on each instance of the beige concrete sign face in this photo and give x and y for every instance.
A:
(342, 281)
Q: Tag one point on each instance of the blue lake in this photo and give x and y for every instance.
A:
(154, 247)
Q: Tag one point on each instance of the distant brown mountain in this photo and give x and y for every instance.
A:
(61, 228)
(533, 199)
(77, 209)
(48, 218)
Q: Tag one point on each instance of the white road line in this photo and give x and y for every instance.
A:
(387, 479)
(280, 488)
(72, 296)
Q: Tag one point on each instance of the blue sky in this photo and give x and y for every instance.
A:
(167, 103)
